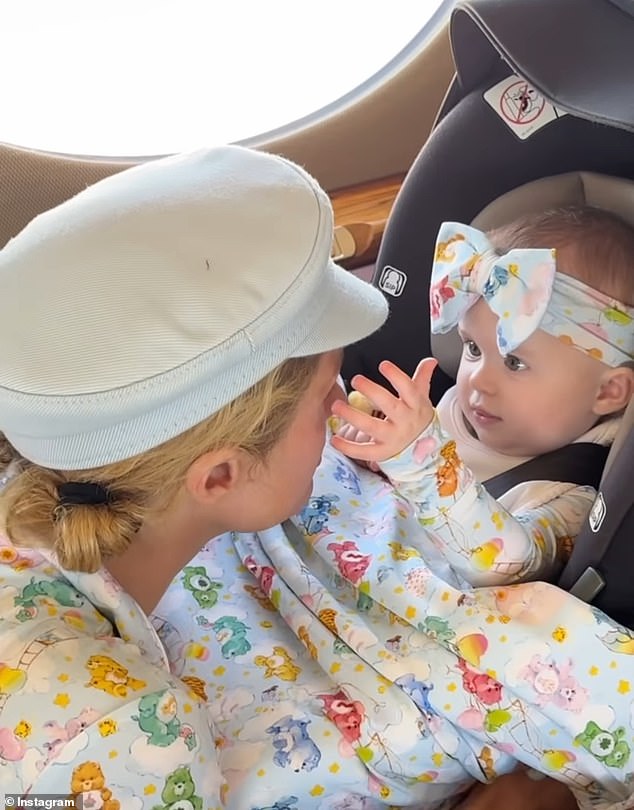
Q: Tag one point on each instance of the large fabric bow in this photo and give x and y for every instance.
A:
(517, 286)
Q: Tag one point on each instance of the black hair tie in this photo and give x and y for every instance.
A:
(80, 493)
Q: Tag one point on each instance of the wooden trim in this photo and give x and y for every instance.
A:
(360, 216)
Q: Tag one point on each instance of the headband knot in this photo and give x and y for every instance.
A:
(525, 291)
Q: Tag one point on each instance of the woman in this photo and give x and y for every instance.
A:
(171, 345)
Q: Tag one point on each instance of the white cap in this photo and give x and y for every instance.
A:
(152, 299)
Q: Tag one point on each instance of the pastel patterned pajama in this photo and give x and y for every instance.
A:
(336, 662)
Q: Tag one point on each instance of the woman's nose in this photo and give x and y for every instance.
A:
(338, 391)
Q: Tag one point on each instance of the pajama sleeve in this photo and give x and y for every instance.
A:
(484, 543)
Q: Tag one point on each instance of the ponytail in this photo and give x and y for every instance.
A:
(81, 535)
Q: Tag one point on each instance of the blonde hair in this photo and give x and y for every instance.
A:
(593, 245)
(83, 535)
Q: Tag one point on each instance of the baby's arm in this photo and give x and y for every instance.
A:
(483, 542)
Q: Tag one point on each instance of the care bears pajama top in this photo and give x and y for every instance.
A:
(337, 662)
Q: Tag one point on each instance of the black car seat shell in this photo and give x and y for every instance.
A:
(540, 113)
(473, 156)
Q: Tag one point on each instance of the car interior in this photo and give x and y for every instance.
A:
(501, 107)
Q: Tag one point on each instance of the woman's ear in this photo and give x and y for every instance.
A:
(215, 474)
(615, 390)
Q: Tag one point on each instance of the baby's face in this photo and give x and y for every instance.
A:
(533, 401)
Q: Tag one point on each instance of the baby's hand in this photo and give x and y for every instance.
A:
(347, 431)
(371, 438)
(359, 402)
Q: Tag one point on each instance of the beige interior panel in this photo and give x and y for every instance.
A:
(32, 182)
(376, 136)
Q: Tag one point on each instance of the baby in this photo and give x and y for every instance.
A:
(547, 335)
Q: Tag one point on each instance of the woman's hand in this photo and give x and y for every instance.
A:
(518, 791)
(403, 417)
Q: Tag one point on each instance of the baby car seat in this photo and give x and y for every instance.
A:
(540, 113)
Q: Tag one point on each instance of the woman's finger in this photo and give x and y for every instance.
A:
(373, 426)
(366, 451)
(353, 434)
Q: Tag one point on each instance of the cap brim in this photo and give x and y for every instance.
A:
(346, 310)
(576, 72)
(353, 309)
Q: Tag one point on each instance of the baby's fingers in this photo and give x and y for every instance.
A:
(423, 374)
(382, 400)
(410, 389)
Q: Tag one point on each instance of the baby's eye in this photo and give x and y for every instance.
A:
(513, 363)
(471, 349)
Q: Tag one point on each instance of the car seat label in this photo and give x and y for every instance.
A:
(521, 107)
(392, 281)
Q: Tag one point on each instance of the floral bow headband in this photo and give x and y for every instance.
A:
(526, 293)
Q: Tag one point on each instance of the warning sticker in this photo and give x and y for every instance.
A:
(521, 107)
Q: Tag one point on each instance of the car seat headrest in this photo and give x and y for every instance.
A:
(573, 69)
(614, 194)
